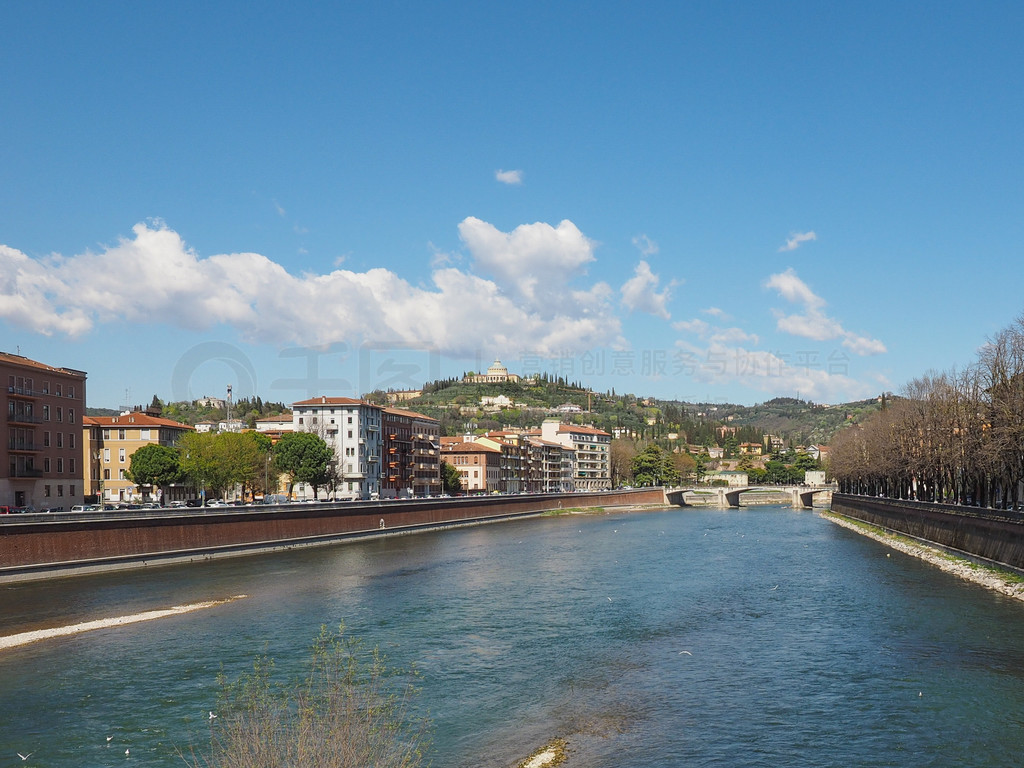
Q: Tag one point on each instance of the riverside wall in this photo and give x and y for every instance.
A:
(42, 546)
(992, 535)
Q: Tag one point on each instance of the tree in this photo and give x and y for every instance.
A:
(304, 456)
(197, 453)
(621, 454)
(686, 466)
(653, 466)
(243, 456)
(156, 465)
(451, 479)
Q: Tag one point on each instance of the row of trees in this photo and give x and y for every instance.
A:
(955, 437)
(213, 463)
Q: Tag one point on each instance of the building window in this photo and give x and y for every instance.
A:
(46, 413)
(71, 393)
(46, 439)
(71, 415)
(121, 434)
(120, 474)
(71, 439)
(60, 490)
(60, 413)
(106, 474)
(71, 468)
(60, 466)
(120, 455)
(57, 391)
(60, 439)
(106, 455)
(144, 434)
(46, 465)
(46, 491)
(71, 491)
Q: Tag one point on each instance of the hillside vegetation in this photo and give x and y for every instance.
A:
(457, 406)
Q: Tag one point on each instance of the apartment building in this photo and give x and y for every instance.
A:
(592, 469)
(352, 429)
(412, 455)
(39, 465)
(479, 465)
(108, 444)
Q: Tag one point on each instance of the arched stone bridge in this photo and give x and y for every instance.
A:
(801, 496)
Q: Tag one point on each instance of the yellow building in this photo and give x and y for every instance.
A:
(109, 443)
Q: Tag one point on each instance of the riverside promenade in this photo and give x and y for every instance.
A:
(35, 546)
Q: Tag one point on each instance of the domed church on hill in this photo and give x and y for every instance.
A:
(496, 374)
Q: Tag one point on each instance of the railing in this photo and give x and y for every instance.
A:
(23, 418)
(25, 472)
(22, 446)
(24, 392)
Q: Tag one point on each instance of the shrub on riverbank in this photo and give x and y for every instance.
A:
(350, 711)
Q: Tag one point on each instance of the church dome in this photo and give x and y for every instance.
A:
(497, 369)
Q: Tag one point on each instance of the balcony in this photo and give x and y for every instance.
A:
(27, 472)
(24, 392)
(22, 446)
(23, 418)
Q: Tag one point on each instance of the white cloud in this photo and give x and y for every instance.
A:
(813, 323)
(727, 364)
(795, 240)
(863, 346)
(793, 289)
(697, 326)
(154, 277)
(533, 263)
(645, 245)
(509, 177)
(714, 312)
(639, 294)
(704, 330)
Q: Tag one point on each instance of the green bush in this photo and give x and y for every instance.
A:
(350, 711)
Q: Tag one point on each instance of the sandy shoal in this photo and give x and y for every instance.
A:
(24, 638)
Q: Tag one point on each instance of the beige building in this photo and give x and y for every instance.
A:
(592, 470)
(110, 441)
(479, 465)
(39, 459)
(496, 374)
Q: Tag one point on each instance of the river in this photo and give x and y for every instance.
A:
(695, 637)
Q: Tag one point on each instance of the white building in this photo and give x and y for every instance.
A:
(592, 470)
(281, 423)
(352, 429)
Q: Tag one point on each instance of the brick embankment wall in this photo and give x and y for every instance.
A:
(997, 536)
(33, 546)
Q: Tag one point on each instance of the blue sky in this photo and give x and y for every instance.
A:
(701, 201)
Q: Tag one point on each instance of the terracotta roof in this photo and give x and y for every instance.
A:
(7, 357)
(468, 448)
(132, 420)
(538, 441)
(582, 430)
(324, 400)
(411, 414)
(279, 417)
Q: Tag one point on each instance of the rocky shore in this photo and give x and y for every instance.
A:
(1005, 582)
